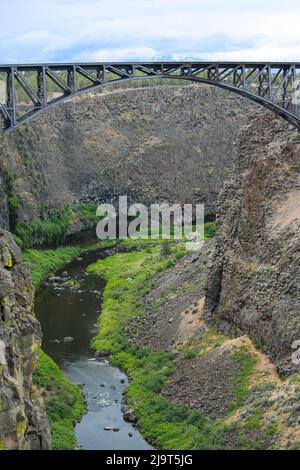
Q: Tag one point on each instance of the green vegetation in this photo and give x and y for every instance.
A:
(209, 232)
(210, 229)
(246, 443)
(246, 363)
(13, 204)
(42, 262)
(51, 228)
(64, 402)
(136, 243)
(272, 429)
(202, 346)
(254, 421)
(129, 276)
(74, 284)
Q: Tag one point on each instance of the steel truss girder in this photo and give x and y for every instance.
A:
(273, 85)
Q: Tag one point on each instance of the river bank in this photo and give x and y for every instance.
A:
(64, 400)
(190, 387)
(68, 304)
(65, 403)
(152, 327)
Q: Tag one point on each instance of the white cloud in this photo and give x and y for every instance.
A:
(259, 54)
(116, 55)
(65, 30)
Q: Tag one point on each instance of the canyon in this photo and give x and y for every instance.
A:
(177, 144)
(140, 142)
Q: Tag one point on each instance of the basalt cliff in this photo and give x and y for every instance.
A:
(23, 421)
(254, 277)
(158, 144)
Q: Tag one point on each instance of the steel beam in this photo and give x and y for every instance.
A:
(273, 85)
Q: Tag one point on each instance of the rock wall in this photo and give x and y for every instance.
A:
(23, 422)
(4, 210)
(253, 286)
(163, 143)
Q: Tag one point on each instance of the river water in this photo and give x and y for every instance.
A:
(68, 305)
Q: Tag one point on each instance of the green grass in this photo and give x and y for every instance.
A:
(209, 232)
(210, 229)
(123, 272)
(168, 426)
(246, 443)
(208, 341)
(246, 363)
(129, 276)
(51, 229)
(64, 402)
(42, 262)
(254, 421)
(272, 429)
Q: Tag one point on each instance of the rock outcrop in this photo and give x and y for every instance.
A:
(254, 282)
(23, 421)
(163, 143)
(4, 210)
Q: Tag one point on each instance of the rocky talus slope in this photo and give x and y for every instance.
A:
(254, 279)
(23, 421)
(226, 379)
(163, 143)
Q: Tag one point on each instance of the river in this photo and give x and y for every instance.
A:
(68, 305)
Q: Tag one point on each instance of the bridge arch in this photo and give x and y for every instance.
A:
(275, 86)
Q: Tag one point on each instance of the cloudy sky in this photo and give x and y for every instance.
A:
(123, 30)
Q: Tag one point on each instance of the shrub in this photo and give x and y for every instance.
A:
(210, 230)
(52, 228)
(64, 402)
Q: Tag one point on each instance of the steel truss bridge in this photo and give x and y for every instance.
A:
(27, 90)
